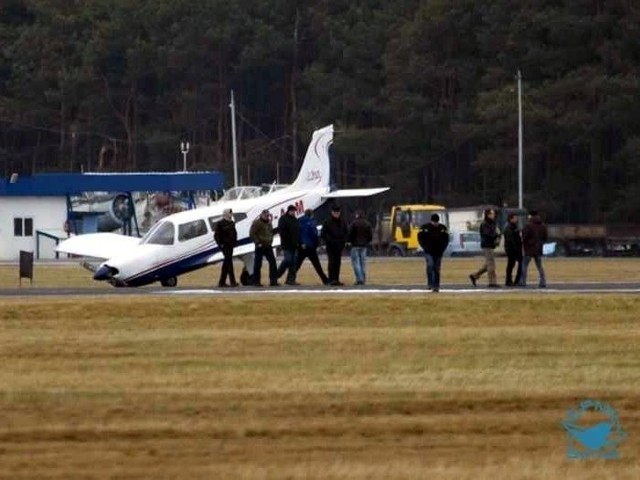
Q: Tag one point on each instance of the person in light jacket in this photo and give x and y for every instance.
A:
(261, 232)
(489, 239)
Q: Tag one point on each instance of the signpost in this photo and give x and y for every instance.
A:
(26, 267)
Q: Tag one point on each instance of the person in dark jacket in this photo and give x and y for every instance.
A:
(226, 237)
(309, 245)
(433, 238)
(489, 239)
(334, 234)
(261, 232)
(359, 236)
(513, 249)
(289, 231)
(534, 236)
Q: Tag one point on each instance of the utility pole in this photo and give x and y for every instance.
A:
(232, 106)
(519, 78)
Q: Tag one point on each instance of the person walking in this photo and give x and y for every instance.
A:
(534, 236)
(489, 239)
(433, 238)
(309, 245)
(226, 236)
(334, 234)
(513, 249)
(289, 231)
(359, 236)
(261, 232)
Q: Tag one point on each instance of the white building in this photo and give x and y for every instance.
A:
(36, 211)
(27, 223)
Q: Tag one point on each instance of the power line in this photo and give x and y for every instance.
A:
(257, 130)
(110, 138)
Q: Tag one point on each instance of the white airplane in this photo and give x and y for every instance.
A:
(183, 242)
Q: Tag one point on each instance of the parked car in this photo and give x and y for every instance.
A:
(464, 243)
(460, 244)
(467, 243)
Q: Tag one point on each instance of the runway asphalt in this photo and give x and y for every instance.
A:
(558, 288)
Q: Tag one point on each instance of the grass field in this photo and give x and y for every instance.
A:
(381, 271)
(294, 387)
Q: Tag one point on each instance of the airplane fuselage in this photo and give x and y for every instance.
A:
(183, 242)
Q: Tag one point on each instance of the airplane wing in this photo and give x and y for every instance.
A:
(355, 192)
(97, 245)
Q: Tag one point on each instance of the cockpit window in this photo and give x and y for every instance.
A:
(190, 230)
(146, 236)
(162, 235)
(239, 216)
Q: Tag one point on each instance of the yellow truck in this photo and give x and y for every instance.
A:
(396, 234)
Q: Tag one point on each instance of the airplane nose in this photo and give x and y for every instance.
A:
(105, 272)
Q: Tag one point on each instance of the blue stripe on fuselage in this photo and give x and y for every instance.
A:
(177, 266)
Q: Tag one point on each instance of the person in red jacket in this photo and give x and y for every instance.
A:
(359, 236)
(534, 236)
(513, 249)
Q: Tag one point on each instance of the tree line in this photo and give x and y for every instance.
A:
(422, 94)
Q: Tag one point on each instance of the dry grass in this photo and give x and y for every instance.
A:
(444, 388)
(381, 271)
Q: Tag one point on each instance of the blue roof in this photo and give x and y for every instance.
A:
(61, 184)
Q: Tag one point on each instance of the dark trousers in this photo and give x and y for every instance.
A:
(264, 252)
(288, 265)
(334, 255)
(433, 270)
(312, 255)
(227, 266)
(512, 259)
(525, 266)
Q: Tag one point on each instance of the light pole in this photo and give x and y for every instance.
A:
(519, 78)
(184, 148)
(232, 106)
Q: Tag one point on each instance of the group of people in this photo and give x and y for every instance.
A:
(520, 246)
(299, 240)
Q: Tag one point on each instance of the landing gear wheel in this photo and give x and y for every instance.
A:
(245, 278)
(169, 282)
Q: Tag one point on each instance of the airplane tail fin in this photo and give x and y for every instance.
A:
(315, 168)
